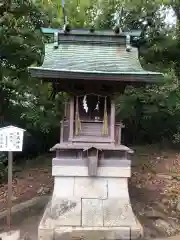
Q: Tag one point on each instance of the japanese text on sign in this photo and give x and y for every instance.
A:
(11, 139)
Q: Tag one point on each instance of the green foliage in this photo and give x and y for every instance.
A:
(22, 45)
(43, 113)
(152, 113)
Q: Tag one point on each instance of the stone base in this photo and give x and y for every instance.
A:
(12, 235)
(89, 208)
(89, 219)
(89, 233)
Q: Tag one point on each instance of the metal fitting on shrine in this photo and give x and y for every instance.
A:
(128, 45)
(67, 28)
(56, 44)
(92, 29)
(117, 29)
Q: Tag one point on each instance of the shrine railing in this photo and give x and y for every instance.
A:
(90, 131)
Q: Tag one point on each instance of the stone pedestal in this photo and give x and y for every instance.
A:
(11, 235)
(84, 207)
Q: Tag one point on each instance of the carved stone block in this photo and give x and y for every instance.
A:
(118, 212)
(92, 213)
(63, 212)
(90, 187)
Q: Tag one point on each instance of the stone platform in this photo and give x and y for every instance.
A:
(85, 207)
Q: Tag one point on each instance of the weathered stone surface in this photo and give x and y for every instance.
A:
(90, 187)
(154, 214)
(45, 234)
(118, 212)
(70, 171)
(118, 188)
(43, 190)
(63, 187)
(122, 233)
(162, 224)
(92, 233)
(82, 171)
(40, 190)
(136, 230)
(92, 213)
(63, 212)
(12, 235)
(123, 172)
(63, 233)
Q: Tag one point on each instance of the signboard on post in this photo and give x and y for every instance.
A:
(11, 140)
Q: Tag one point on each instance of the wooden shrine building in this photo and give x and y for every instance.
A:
(91, 67)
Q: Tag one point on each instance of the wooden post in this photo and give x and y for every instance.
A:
(71, 119)
(10, 163)
(65, 110)
(92, 162)
(119, 135)
(62, 132)
(112, 120)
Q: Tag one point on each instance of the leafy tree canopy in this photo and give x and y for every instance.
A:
(28, 103)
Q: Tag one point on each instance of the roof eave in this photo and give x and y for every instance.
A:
(146, 77)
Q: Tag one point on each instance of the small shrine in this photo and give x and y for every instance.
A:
(91, 168)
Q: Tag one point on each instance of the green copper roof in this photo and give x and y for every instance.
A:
(86, 57)
(91, 58)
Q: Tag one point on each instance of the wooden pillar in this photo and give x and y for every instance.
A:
(119, 135)
(112, 120)
(10, 165)
(120, 132)
(62, 132)
(92, 162)
(62, 123)
(71, 119)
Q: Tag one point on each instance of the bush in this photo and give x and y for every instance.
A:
(3, 167)
(151, 114)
